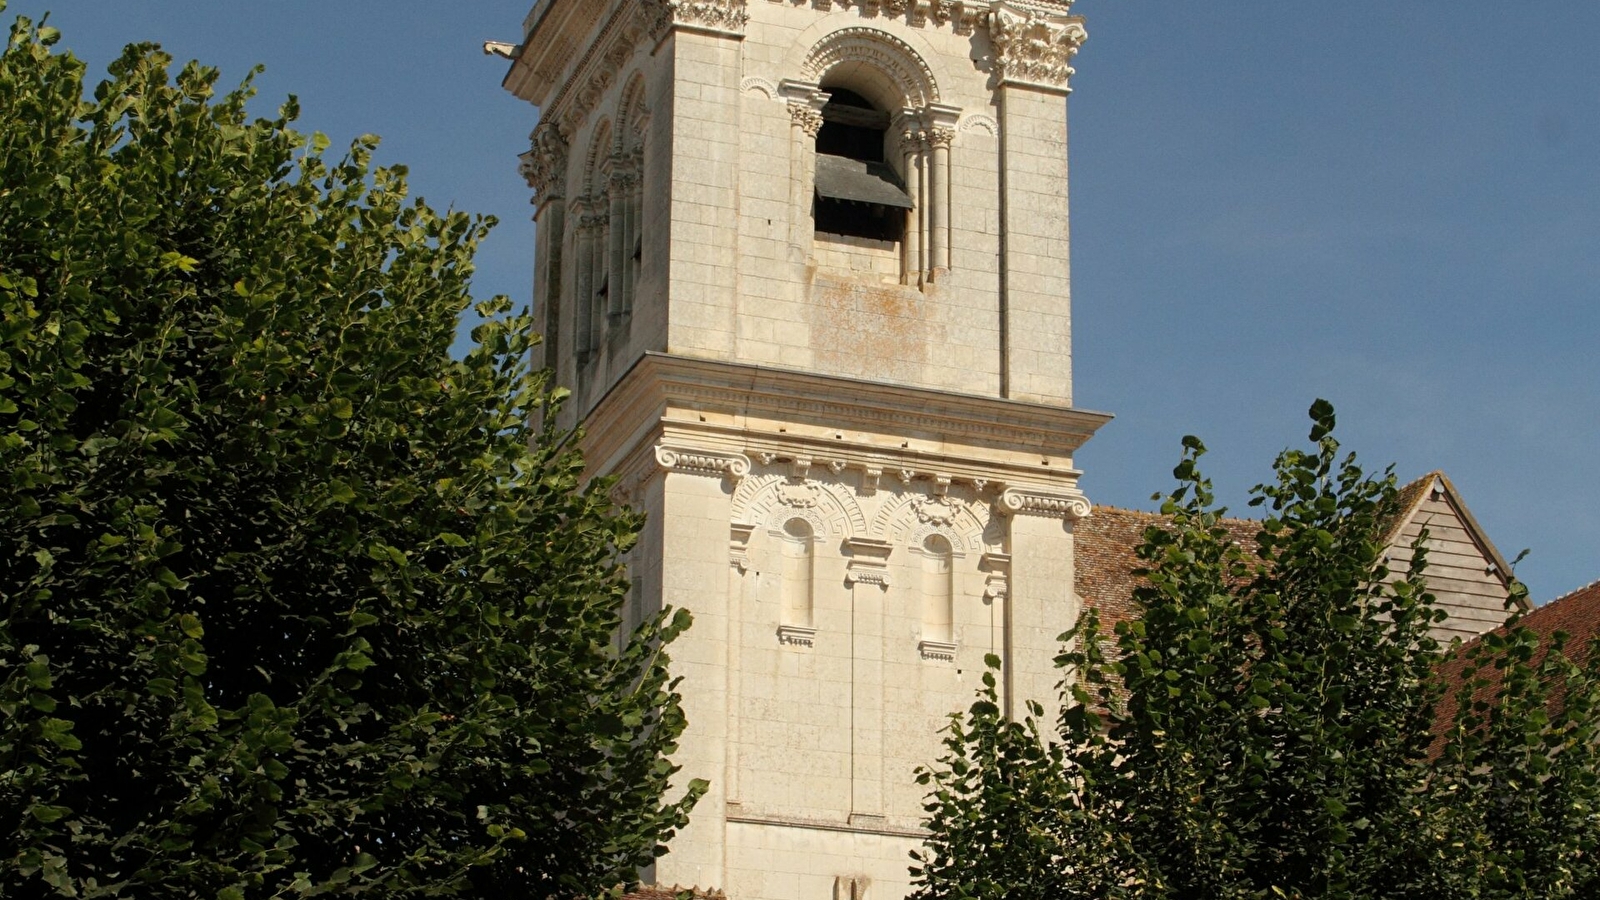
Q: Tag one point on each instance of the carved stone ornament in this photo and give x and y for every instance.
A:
(869, 562)
(719, 16)
(797, 635)
(1034, 49)
(943, 651)
(544, 166)
(739, 535)
(1068, 505)
(710, 463)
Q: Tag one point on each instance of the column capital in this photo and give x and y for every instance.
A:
(1070, 505)
(1035, 49)
(695, 461)
(806, 100)
(544, 166)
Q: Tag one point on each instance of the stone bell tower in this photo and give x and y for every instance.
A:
(804, 265)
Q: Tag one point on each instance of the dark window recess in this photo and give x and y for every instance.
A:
(858, 195)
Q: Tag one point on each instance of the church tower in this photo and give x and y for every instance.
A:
(803, 264)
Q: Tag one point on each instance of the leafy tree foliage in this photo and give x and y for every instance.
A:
(293, 603)
(1265, 728)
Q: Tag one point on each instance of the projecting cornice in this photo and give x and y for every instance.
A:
(732, 412)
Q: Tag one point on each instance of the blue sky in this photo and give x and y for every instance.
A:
(1392, 205)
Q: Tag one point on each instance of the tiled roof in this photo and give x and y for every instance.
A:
(1577, 615)
(1105, 549)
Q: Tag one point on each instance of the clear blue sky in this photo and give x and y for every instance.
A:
(1392, 205)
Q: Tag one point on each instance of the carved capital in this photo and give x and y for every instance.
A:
(1035, 49)
(544, 166)
(806, 101)
(711, 463)
(941, 138)
(1068, 505)
(717, 16)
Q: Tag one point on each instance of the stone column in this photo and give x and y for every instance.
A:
(805, 101)
(583, 289)
(911, 267)
(939, 203)
(631, 236)
(544, 168)
(615, 255)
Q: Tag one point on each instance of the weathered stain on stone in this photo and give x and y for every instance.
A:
(866, 329)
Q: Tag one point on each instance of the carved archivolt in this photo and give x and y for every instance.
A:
(909, 72)
(769, 500)
(1035, 49)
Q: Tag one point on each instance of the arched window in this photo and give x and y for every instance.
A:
(938, 599)
(858, 194)
(797, 624)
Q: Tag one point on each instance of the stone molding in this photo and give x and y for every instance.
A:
(1035, 49)
(797, 635)
(1068, 505)
(942, 651)
(678, 401)
(710, 463)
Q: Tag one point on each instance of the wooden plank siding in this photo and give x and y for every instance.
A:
(1464, 573)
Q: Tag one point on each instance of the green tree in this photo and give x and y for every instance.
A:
(1264, 728)
(293, 602)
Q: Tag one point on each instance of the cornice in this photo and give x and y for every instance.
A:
(711, 403)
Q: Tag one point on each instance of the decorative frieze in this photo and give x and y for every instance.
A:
(1033, 48)
(1068, 505)
(712, 463)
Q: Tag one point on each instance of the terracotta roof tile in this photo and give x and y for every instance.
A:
(1105, 546)
(1576, 614)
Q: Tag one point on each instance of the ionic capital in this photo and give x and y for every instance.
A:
(711, 463)
(1069, 505)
